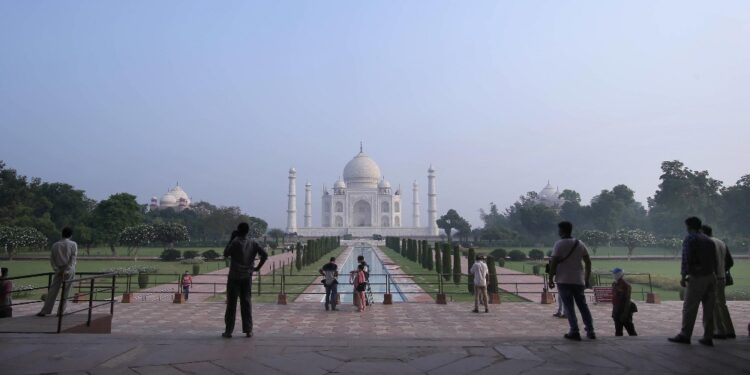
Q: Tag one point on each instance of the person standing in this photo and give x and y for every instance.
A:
(724, 262)
(572, 280)
(63, 261)
(698, 276)
(360, 285)
(187, 282)
(481, 279)
(242, 251)
(622, 305)
(330, 272)
(6, 293)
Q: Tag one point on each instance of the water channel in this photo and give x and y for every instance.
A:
(378, 273)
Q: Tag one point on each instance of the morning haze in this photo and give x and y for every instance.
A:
(499, 97)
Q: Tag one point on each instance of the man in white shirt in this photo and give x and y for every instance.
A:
(63, 261)
(724, 261)
(481, 278)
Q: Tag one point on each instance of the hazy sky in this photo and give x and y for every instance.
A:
(498, 96)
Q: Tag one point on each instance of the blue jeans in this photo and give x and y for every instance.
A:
(570, 294)
(331, 292)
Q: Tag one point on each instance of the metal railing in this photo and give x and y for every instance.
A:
(88, 293)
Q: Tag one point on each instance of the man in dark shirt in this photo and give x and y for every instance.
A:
(242, 251)
(330, 271)
(698, 276)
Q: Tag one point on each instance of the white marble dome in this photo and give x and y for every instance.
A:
(548, 192)
(384, 184)
(362, 172)
(168, 200)
(340, 184)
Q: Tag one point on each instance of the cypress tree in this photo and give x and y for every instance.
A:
(456, 265)
(472, 258)
(429, 257)
(298, 257)
(438, 259)
(492, 287)
(446, 261)
(403, 247)
(419, 252)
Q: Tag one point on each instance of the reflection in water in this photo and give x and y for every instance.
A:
(378, 274)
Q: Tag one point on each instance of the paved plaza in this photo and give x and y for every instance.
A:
(406, 338)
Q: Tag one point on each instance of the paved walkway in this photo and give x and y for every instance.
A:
(311, 355)
(207, 284)
(414, 293)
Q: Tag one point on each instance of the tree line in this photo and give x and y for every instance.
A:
(33, 213)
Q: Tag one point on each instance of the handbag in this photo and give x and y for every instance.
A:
(361, 287)
(728, 280)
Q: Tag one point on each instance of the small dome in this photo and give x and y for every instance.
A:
(340, 184)
(362, 172)
(292, 171)
(548, 192)
(384, 184)
(179, 193)
(431, 170)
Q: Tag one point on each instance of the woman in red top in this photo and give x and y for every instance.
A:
(360, 284)
(187, 282)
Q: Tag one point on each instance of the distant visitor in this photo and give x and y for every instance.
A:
(63, 261)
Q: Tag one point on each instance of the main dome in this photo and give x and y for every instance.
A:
(362, 172)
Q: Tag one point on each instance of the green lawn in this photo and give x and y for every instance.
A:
(122, 251)
(269, 286)
(428, 280)
(665, 275)
(172, 269)
(601, 251)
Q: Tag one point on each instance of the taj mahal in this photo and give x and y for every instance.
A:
(363, 203)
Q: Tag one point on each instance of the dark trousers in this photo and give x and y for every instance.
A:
(239, 288)
(571, 295)
(628, 325)
(331, 292)
(186, 291)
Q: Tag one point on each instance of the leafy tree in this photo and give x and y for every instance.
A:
(534, 219)
(114, 214)
(517, 255)
(633, 238)
(674, 244)
(136, 237)
(13, 238)
(682, 193)
(169, 233)
(496, 225)
(616, 209)
(84, 236)
(736, 207)
(453, 221)
(594, 239)
(276, 233)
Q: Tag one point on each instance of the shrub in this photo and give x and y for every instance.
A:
(471, 258)
(196, 269)
(499, 253)
(196, 260)
(492, 286)
(210, 255)
(273, 245)
(500, 262)
(147, 269)
(22, 291)
(170, 254)
(517, 255)
(189, 254)
(143, 280)
(536, 254)
(535, 269)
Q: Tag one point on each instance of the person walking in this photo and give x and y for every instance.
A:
(242, 251)
(698, 273)
(481, 274)
(330, 271)
(572, 279)
(63, 260)
(187, 282)
(724, 262)
(622, 306)
(6, 293)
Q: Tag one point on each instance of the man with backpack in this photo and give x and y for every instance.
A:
(330, 272)
(572, 280)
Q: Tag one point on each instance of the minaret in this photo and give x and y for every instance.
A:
(432, 202)
(415, 204)
(291, 220)
(308, 205)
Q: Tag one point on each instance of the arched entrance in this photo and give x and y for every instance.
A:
(362, 215)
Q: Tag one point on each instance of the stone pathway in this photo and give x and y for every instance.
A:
(414, 293)
(311, 355)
